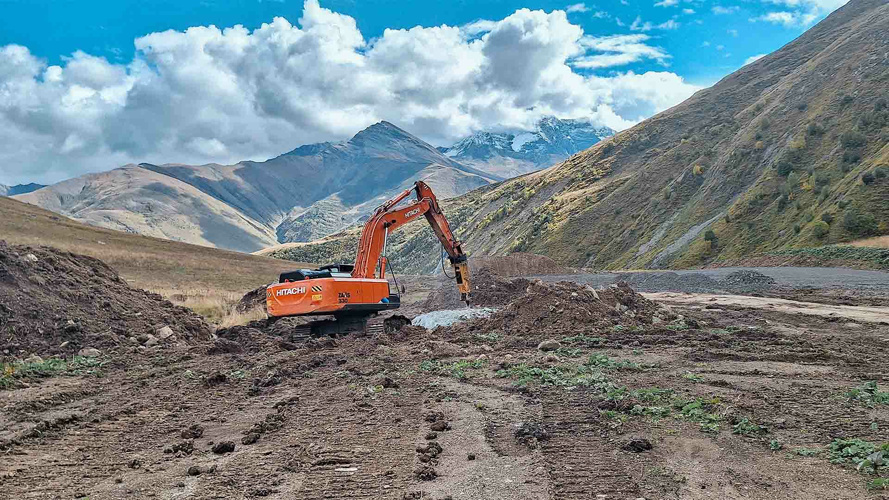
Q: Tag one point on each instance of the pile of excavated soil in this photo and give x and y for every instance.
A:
(747, 280)
(670, 282)
(55, 302)
(254, 299)
(488, 290)
(567, 307)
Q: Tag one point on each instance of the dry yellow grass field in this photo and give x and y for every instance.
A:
(205, 279)
(875, 242)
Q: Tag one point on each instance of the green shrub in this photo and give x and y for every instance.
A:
(782, 203)
(881, 172)
(797, 228)
(853, 139)
(820, 229)
(784, 167)
(868, 178)
(815, 128)
(859, 224)
(851, 156)
(826, 217)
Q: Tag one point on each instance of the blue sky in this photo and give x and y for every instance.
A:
(87, 86)
(53, 29)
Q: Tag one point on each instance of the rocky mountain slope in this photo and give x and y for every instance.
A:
(19, 189)
(307, 193)
(791, 151)
(509, 154)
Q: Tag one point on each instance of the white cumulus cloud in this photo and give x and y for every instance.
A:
(221, 95)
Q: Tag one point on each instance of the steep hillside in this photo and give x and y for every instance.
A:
(150, 263)
(305, 194)
(788, 152)
(135, 199)
(510, 154)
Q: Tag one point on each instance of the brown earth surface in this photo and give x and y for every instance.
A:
(567, 391)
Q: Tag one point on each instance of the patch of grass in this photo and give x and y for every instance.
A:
(869, 393)
(652, 394)
(51, 367)
(694, 377)
(570, 376)
(775, 445)
(569, 352)
(875, 257)
(583, 340)
(491, 338)
(880, 483)
(866, 456)
(702, 411)
(656, 412)
(746, 427)
(457, 369)
(807, 452)
(603, 361)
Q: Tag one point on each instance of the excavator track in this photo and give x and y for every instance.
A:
(348, 325)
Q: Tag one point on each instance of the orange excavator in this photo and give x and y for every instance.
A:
(352, 294)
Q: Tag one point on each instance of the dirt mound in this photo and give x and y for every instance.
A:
(567, 307)
(747, 280)
(59, 302)
(251, 300)
(669, 282)
(489, 289)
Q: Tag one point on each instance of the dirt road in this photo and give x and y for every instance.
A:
(711, 280)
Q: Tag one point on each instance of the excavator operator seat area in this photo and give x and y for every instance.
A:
(331, 271)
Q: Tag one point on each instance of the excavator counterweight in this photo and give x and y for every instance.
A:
(361, 290)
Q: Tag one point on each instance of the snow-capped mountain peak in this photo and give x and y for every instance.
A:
(517, 152)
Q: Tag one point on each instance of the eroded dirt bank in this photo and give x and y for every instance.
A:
(568, 391)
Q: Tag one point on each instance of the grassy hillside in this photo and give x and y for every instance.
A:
(197, 276)
(789, 152)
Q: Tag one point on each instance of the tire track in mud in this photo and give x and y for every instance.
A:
(346, 458)
(580, 461)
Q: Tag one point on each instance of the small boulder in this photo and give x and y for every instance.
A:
(637, 445)
(152, 341)
(194, 470)
(223, 447)
(33, 359)
(549, 345)
(193, 432)
(164, 333)
(31, 257)
(439, 426)
(89, 352)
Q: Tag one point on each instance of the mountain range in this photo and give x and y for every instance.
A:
(789, 152)
(510, 154)
(299, 196)
(308, 193)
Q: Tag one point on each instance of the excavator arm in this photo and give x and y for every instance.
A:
(371, 262)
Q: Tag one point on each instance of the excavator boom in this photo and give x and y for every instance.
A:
(362, 289)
